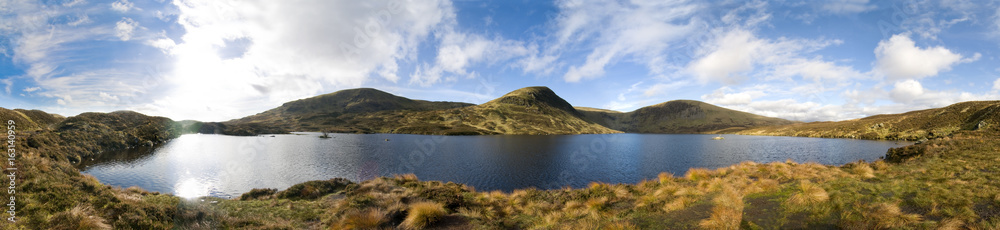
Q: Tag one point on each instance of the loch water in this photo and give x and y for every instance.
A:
(226, 166)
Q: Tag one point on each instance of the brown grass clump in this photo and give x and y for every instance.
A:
(367, 219)
(422, 214)
(886, 216)
(665, 177)
(678, 204)
(861, 169)
(880, 165)
(950, 224)
(728, 210)
(809, 194)
(696, 174)
(597, 204)
(80, 217)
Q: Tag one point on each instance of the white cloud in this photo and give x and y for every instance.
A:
(296, 50)
(613, 30)
(108, 97)
(458, 51)
(124, 28)
(664, 88)
(906, 91)
(899, 58)
(733, 56)
(82, 19)
(996, 84)
(847, 6)
(727, 96)
(122, 6)
(9, 83)
(32, 89)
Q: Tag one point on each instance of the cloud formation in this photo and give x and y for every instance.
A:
(899, 58)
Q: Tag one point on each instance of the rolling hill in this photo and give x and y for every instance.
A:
(915, 125)
(679, 116)
(530, 110)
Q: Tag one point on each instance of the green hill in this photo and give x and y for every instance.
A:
(915, 125)
(335, 112)
(30, 119)
(531, 110)
(679, 116)
(90, 134)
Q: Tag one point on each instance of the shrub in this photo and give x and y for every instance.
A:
(258, 193)
(422, 214)
(314, 189)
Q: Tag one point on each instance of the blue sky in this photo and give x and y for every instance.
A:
(225, 59)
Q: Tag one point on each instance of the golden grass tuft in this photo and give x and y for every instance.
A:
(367, 219)
(880, 165)
(407, 177)
(665, 177)
(619, 225)
(597, 204)
(678, 204)
(862, 169)
(887, 216)
(696, 174)
(422, 214)
(809, 194)
(950, 224)
(728, 210)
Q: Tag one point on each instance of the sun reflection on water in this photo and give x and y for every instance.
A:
(191, 188)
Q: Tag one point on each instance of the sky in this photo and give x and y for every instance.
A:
(224, 59)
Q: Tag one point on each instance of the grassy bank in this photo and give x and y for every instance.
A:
(949, 182)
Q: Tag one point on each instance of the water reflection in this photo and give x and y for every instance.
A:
(227, 166)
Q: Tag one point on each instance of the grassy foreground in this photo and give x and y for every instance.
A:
(952, 184)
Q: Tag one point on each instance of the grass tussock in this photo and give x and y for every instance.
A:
(727, 212)
(423, 214)
(809, 194)
(367, 219)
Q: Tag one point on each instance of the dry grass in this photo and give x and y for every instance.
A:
(950, 224)
(80, 217)
(367, 219)
(809, 194)
(422, 214)
(696, 174)
(861, 169)
(887, 216)
(728, 210)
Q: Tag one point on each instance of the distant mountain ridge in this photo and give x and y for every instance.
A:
(680, 116)
(913, 125)
(529, 110)
(333, 111)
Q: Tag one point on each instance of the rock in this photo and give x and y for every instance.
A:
(981, 125)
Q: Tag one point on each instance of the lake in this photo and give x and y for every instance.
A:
(226, 166)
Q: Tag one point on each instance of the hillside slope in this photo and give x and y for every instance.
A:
(679, 116)
(531, 110)
(334, 111)
(915, 125)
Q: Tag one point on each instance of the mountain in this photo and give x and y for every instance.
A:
(329, 112)
(90, 134)
(915, 125)
(29, 119)
(679, 116)
(531, 110)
